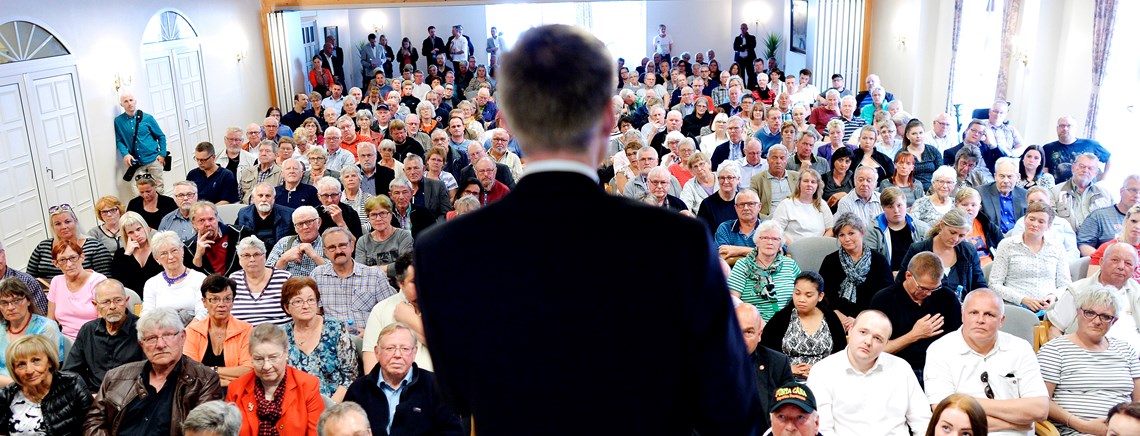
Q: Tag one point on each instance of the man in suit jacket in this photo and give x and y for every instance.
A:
(1003, 201)
(475, 151)
(732, 149)
(745, 47)
(429, 193)
(777, 172)
(265, 218)
(433, 46)
(773, 368)
(508, 350)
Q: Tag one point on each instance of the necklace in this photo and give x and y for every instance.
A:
(21, 330)
(171, 281)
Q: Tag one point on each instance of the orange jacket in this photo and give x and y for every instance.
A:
(300, 410)
(235, 347)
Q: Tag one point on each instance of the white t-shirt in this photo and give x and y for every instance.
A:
(661, 44)
(801, 220)
(185, 295)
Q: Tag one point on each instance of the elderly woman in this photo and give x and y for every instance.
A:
(364, 126)
(766, 278)
(42, 399)
(680, 168)
(317, 157)
(703, 182)
(984, 233)
(700, 118)
(257, 287)
(1087, 372)
(108, 210)
(904, 178)
(213, 418)
(889, 142)
(65, 226)
(134, 262)
(436, 159)
(352, 194)
(176, 287)
(387, 150)
(960, 261)
(381, 246)
(838, 182)
(854, 273)
(805, 330)
(966, 168)
(426, 112)
(867, 155)
(275, 395)
(71, 296)
(317, 345)
(930, 208)
(893, 231)
(464, 205)
(717, 136)
(1031, 166)
(21, 318)
(804, 214)
(219, 341)
(1129, 233)
(1030, 269)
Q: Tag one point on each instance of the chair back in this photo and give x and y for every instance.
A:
(809, 252)
(1020, 322)
(1079, 269)
(227, 213)
(986, 271)
(134, 301)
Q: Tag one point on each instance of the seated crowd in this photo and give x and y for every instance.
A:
(303, 310)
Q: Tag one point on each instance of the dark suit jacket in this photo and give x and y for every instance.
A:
(235, 234)
(556, 327)
(991, 202)
(720, 154)
(421, 220)
(430, 44)
(746, 44)
(773, 369)
(384, 177)
(502, 174)
(436, 199)
(282, 223)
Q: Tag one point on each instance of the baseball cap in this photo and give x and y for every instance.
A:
(382, 106)
(796, 394)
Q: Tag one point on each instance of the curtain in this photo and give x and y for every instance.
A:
(954, 53)
(278, 51)
(1011, 23)
(1104, 18)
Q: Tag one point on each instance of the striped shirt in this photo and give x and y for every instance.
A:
(353, 297)
(95, 257)
(1088, 382)
(305, 265)
(265, 308)
(752, 280)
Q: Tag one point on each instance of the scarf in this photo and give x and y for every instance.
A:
(856, 272)
(268, 411)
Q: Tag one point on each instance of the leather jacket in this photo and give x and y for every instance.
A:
(64, 407)
(195, 385)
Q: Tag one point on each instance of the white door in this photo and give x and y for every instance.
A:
(192, 99)
(21, 211)
(178, 102)
(163, 106)
(58, 130)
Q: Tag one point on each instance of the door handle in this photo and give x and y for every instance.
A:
(51, 174)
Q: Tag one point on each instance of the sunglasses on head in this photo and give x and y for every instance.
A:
(56, 209)
(144, 176)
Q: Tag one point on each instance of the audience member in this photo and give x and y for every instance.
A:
(1115, 276)
(804, 156)
(214, 184)
(344, 419)
(904, 178)
(350, 288)
(281, 398)
(150, 204)
(65, 227)
(735, 237)
(318, 168)
(105, 342)
(775, 184)
(374, 178)
(177, 287)
(866, 155)
(930, 208)
(804, 214)
(213, 418)
(1061, 231)
(753, 162)
(838, 182)
(853, 274)
(702, 184)
(733, 148)
(1031, 269)
(793, 411)
(1061, 155)
(864, 201)
(1079, 196)
(405, 214)
(293, 193)
(264, 218)
(429, 194)
(764, 277)
(257, 290)
(892, 232)
(41, 399)
(958, 414)
(1129, 234)
(71, 294)
(353, 196)
(772, 367)
(333, 212)
(1102, 225)
(318, 345)
(720, 207)
(921, 308)
(1124, 419)
(983, 233)
(1031, 167)
(214, 250)
(385, 242)
(219, 340)
(108, 210)
(999, 134)
(21, 318)
(805, 330)
(301, 253)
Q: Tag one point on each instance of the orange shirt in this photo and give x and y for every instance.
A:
(977, 238)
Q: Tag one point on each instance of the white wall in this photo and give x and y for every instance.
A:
(693, 26)
(415, 21)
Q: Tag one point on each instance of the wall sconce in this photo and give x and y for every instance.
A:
(122, 80)
(901, 42)
(241, 56)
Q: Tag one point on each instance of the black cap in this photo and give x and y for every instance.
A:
(794, 393)
(382, 106)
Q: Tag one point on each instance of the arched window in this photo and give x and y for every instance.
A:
(24, 41)
(168, 26)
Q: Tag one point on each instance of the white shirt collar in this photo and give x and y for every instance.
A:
(548, 165)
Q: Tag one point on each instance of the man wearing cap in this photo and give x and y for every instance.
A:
(793, 412)
(773, 369)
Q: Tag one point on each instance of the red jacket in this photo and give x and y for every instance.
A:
(302, 407)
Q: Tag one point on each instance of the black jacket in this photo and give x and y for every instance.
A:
(64, 408)
(421, 410)
(235, 234)
(775, 328)
(773, 369)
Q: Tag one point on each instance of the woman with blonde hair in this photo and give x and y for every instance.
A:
(805, 214)
(42, 399)
(134, 261)
(962, 269)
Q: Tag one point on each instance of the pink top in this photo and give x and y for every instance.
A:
(73, 309)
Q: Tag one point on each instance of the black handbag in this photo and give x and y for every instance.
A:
(130, 173)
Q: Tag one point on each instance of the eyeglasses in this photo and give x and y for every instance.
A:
(986, 380)
(13, 302)
(392, 349)
(108, 211)
(57, 209)
(338, 247)
(166, 337)
(747, 204)
(143, 176)
(170, 252)
(727, 178)
(306, 223)
(921, 288)
(68, 260)
(380, 214)
(301, 303)
(1104, 317)
(248, 256)
(272, 360)
(329, 196)
(205, 159)
(216, 300)
(112, 302)
(186, 195)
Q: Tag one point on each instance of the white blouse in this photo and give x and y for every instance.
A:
(801, 220)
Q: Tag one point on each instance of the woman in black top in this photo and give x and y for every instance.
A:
(134, 262)
(700, 118)
(867, 155)
(854, 273)
(805, 330)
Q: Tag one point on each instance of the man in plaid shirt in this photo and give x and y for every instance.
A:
(349, 290)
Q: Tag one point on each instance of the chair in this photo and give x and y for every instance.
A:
(227, 213)
(134, 301)
(358, 344)
(809, 252)
(1079, 269)
(986, 271)
(1020, 322)
(1045, 428)
(67, 343)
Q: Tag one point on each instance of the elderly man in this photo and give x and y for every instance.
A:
(686, 104)
(775, 184)
(427, 193)
(920, 309)
(1003, 201)
(493, 190)
(793, 411)
(272, 127)
(107, 342)
(215, 184)
(139, 139)
(971, 169)
(300, 254)
(253, 136)
(407, 215)
(349, 289)
(1060, 155)
(851, 121)
(637, 187)
(672, 124)
(805, 156)
(400, 307)
(1104, 224)
(152, 396)
(975, 133)
(344, 419)
(732, 107)
(500, 139)
(940, 134)
(264, 218)
(822, 114)
(399, 396)
(33, 285)
(213, 418)
(734, 238)
(773, 369)
(1079, 196)
(475, 152)
(338, 157)
(1116, 268)
(754, 161)
(348, 139)
(998, 369)
(655, 122)
(769, 134)
(333, 211)
(374, 179)
(178, 221)
(733, 149)
(214, 249)
(291, 192)
(266, 170)
(1001, 135)
(658, 195)
(864, 391)
(235, 157)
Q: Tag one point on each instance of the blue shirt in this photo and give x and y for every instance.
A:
(728, 233)
(304, 195)
(220, 186)
(151, 141)
(393, 395)
(767, 140)
(1007, 218)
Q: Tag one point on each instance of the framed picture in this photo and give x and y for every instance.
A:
(798, 42)
(334, 33)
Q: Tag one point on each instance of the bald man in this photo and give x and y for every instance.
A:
(773, 369)
(140, 141)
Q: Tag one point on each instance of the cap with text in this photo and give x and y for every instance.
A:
(796, 394)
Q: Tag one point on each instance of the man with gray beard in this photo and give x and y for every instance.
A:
(264, 218)
(107, 341)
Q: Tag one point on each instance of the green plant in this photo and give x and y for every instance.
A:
(772, 44)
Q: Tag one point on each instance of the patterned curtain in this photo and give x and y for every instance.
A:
(953, 53)
(1011, 24)
(1104, 18)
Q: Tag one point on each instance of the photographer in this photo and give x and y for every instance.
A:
(140, 140)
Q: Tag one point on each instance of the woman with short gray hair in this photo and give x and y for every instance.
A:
(318, 158)
(387, 152)
(853, 274)
(176, 287)
(720, 206)
(213, 418)
(353, 195)
(257, 296)
(765, 278)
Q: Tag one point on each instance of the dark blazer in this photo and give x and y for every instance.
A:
(502, 174)
(744, 43)
(991, 203)
(720, 154)
(773, 369)
(421, 409)
(421, 220)
(282, 223)
(235, 234)
(432, 44)
(877, 278)
(967, 271)
(550, 312)
(886, 165)
(384, 177)
(775, 328)
(436, 199)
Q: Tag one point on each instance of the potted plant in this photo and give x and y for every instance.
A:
(772, 44)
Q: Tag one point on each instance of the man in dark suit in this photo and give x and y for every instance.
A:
(508, 350)
(773, 368)
(1003, 201)
(433, 47)
(745, 47)
(263, 218)
(333, 56)
(430, 194)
